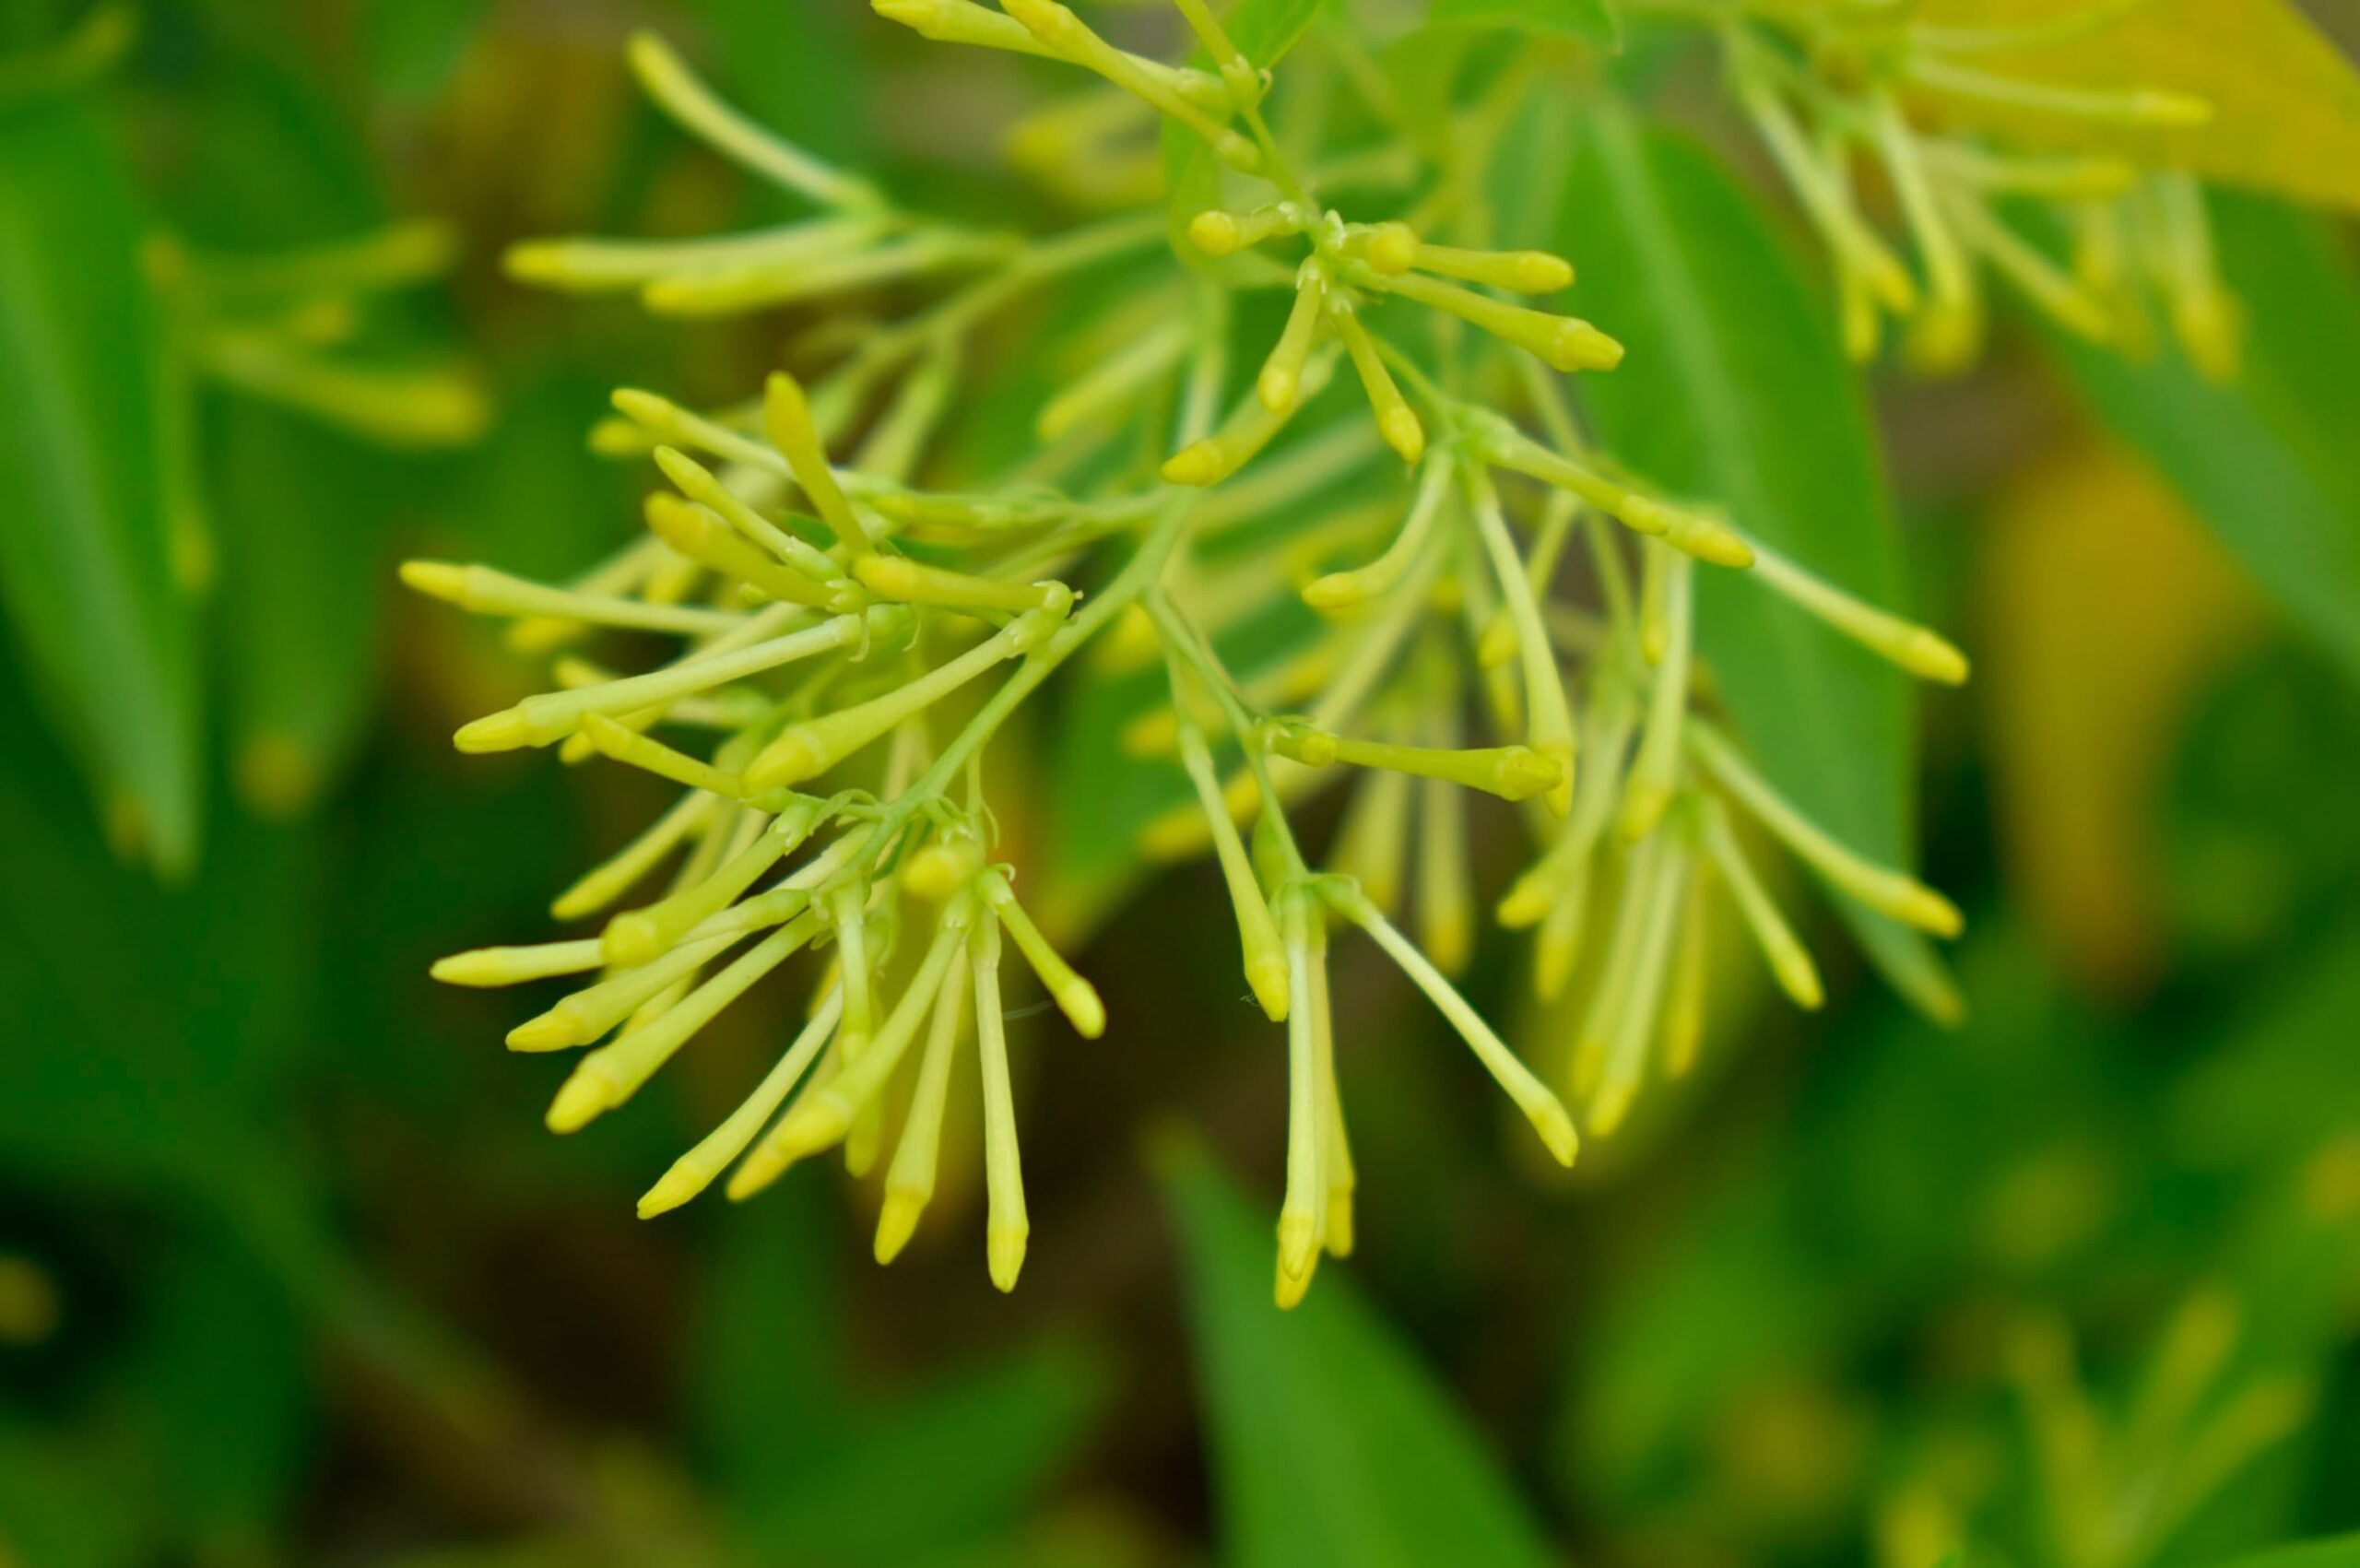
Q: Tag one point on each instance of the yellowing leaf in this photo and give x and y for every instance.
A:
(2105, 606)
(2286, 103)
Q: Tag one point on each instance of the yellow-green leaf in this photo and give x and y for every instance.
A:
(2285, 103)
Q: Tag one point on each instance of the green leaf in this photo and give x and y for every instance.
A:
(2343, 1552)
(2269, 462)
(1587, 19)
(1736, 393)
(300, 595)
(86, 557)
(2286, 101)
(1330, 1443)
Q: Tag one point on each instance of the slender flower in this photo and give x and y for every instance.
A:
(848, 615)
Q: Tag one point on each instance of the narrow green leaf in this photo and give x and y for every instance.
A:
(300, 599)
(1589, 19)
(2269, 462)
(1736, 393)
(2343, 1552)
(1331, 1444)
(86, 559)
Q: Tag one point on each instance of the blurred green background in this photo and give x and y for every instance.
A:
(289, 1274)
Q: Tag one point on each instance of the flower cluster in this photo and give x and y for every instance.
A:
(851, 642)
(1826, 92)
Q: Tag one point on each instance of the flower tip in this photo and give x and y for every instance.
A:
(1004, 1251)
(504, 731)
(1278, 388)
(1524, 773)
(631, 939)
(436, 579)
(1577, 346)
(1538, 272)
(1267, 974)
(579, 1101)
(1339, 1223)
(674, 1189)
(537, 261)
(1080, 1001)
(1528, 902)
(1798, 977)
(1933, 657)
(1555, 1127)
(1608, 1111)
(756, 1172)
(1337, 591)
(1643, 804)
(1198, 465)
(1215, 232)
(1393, 248)
(1403, 432)
(1291, 1289)
(552, 1031)
(808, 1129)
(1298, 1242)
(1929, 911)
(897, 1221)
(476, 967)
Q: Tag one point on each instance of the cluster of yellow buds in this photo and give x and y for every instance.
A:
(1851, 89)
(838, 622)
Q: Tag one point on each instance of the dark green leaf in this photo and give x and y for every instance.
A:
(86, 566)
(1589, 19)
(1736, 393)
(2343, 1552)
(1331, 1444)
(301, 516)
(2270, 462)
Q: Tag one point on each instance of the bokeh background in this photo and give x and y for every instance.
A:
(290, 1274)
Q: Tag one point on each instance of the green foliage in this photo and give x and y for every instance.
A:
(1331, 1444)
(2268, 459)
(87, 557)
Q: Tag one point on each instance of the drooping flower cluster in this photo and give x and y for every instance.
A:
(851, 642)
(1827, 91)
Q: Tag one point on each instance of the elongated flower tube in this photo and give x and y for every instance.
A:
(852, 582)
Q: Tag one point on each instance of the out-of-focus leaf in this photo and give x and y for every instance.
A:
(767, 1393)
(86, 557)
(415, 46)
(137, 1061)
(303, 518)
(1331, 1444)
(2341, 1552)
(2285, 103)
(2085, 709)
(795, 69)
(1736, 393)
(1589, 19)
(222, 1369)
(2270, 462)
(2288, 1076)
(2260, 839)
(63, 1505)
(809, 1466)
(950, 1465)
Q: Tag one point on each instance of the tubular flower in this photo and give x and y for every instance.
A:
(1826, 93)
(849, 643)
